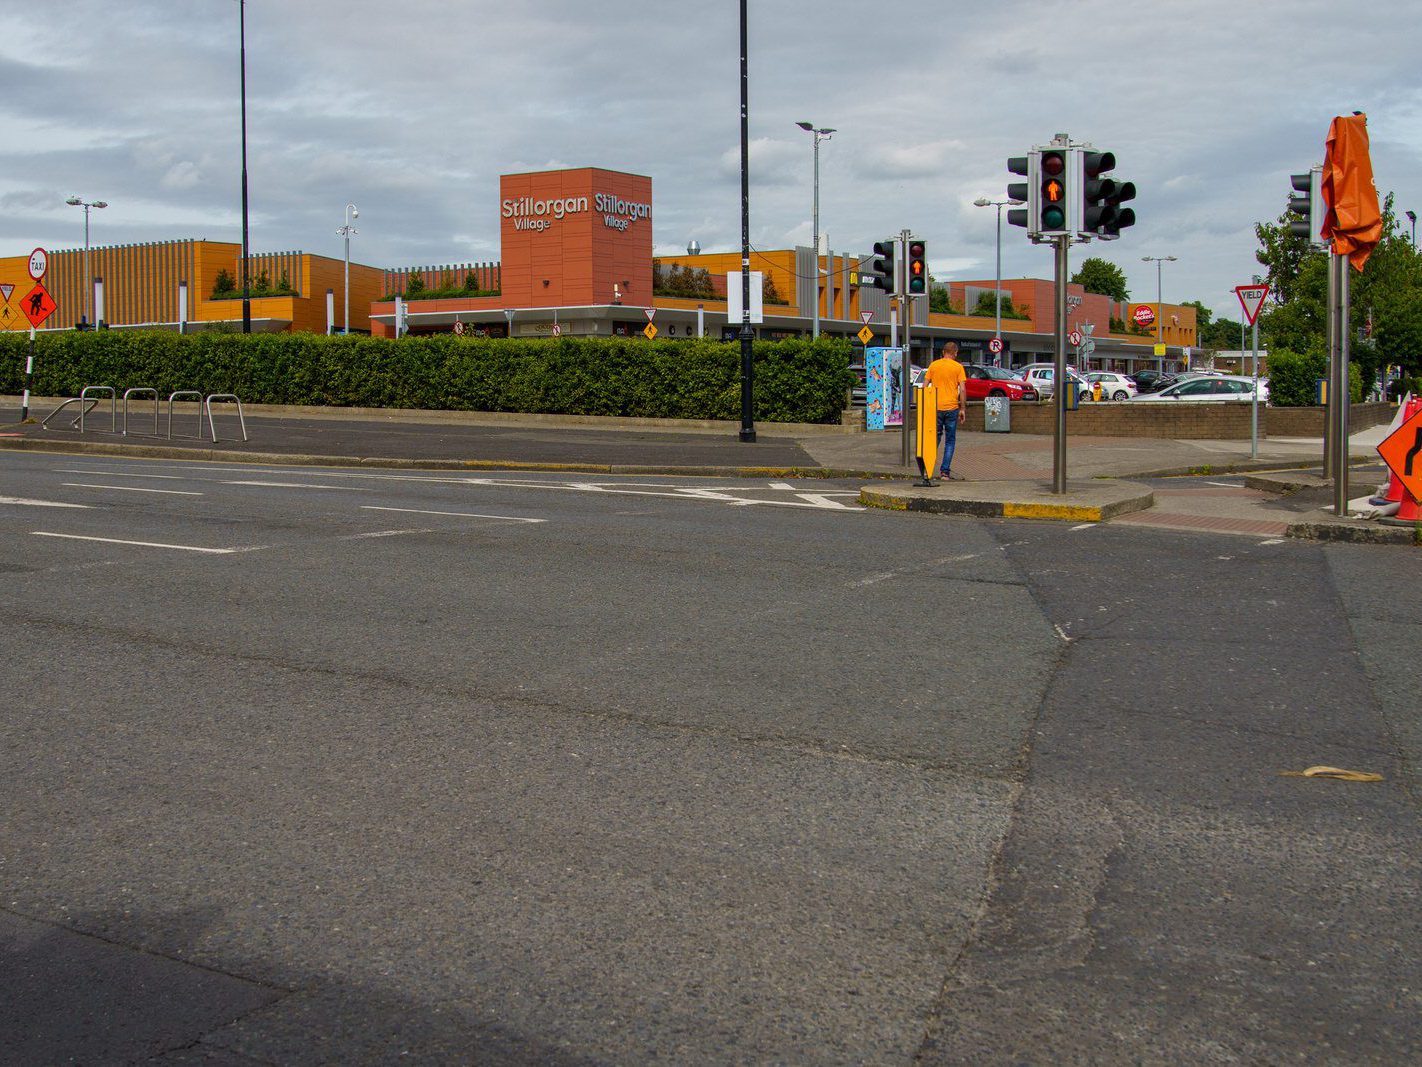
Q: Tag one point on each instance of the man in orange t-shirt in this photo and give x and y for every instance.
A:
(946, 375)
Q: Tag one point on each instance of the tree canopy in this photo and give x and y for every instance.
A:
(1096, 275)
(1387, 293)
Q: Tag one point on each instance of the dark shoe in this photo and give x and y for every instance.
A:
(954, 478)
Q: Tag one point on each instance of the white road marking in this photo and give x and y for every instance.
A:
(1084, 526)
(131, 489)
(381, 533)
(1274, 541)
(1061, 633)
(22, 502)
(142, 544)
(677, 492)
(119, 474)
(1225, 485)
(304, 485)
(456, 514)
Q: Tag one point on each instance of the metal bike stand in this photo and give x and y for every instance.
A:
(212, 428)
(72, 400)
(184, 394)
(113, 405)
(140, 389)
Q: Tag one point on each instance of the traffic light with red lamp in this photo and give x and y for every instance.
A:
(1052, 193)
(917, 268)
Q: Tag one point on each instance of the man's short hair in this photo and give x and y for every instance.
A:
(950, 348)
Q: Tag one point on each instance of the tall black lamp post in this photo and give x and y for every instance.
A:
(747, 359)
(246, 276)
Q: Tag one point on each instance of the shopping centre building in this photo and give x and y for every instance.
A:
(577, 260)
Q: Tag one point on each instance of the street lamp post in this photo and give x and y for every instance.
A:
(983, 201)
(821, 134)
(346, 231)
(246, 274)
(1159, 316)
(74, 201)
(1412, 218)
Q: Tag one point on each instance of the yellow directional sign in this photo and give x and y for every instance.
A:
(1160, 350)
(649, 331)
(865, 334)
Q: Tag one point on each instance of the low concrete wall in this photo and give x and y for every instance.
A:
(1223, 421)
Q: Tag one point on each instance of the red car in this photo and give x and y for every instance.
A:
(984, 381)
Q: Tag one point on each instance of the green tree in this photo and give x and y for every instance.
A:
(1096, 275)
(415, 282)
(225, 284)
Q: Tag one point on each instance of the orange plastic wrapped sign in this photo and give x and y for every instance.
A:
(1352, 220)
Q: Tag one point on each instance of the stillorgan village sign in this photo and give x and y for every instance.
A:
(531, 213)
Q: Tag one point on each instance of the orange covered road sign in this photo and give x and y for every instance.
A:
(1351, 220)
(1401, 450)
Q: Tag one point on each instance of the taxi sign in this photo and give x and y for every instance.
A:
(39, 264)
(37, 305)
(865, 335)
(649, 331)
(1401, 450)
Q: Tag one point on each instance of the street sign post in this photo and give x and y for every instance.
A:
(1251, 299)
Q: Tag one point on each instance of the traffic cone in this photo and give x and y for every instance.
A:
(1408, 514)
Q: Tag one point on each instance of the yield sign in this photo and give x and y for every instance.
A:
(37, 305)
(5, 290)
(650, 313)
(865, 316)
(1251, 298)
(1401, 450)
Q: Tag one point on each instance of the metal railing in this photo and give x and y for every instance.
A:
(90, 396)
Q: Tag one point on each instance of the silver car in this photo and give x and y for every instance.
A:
(1215, 387)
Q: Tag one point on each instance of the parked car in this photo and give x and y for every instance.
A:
(1226, 387)
(984, 381)
(1040, 376)
(1147, 381)
(1113, 386)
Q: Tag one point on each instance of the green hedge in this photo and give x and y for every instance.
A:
(795, 381)
(1293, 378)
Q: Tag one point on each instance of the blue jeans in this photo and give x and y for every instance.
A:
(947, 439)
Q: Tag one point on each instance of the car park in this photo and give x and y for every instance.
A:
(984, 381)
(1147, 381)
(1113, 386)
(1205, 388)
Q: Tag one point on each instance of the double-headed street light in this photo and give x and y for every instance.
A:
(346, 231)
(74, 201)
(1159, 313)
(1412, 218)
(983, 201)
(822, 133)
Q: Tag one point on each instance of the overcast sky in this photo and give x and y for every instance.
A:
(413, 109)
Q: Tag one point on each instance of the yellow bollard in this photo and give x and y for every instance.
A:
(927, 432)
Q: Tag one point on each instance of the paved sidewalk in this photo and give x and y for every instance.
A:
(1006, 474)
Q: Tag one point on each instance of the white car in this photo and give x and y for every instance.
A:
(1113, 386)
(1223, 387)
(1040, 377)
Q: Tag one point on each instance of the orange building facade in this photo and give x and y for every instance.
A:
(141, 285)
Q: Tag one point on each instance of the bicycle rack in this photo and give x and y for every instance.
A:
(72, 400)
(183, 394)
(113, 406)
(140, 389)
(212, 428)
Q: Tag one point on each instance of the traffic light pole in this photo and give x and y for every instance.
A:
(906, 310)
(1059, 457)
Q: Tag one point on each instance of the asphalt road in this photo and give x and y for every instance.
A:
(307, 766)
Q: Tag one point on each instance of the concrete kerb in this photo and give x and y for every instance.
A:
(1093, 501)
(140, 451)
